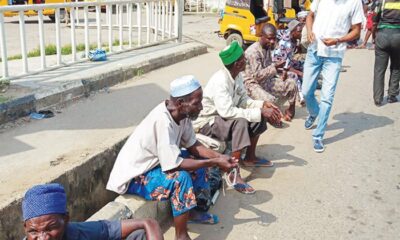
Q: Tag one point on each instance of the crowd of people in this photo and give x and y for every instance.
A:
(162, 160)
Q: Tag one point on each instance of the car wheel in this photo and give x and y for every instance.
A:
(234, 37)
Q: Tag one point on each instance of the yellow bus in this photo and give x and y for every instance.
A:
(46, 12)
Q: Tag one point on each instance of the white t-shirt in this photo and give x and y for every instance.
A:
(333, 19)
(156, 141)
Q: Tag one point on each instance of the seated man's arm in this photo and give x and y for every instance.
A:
(247, 108)
(150, 226)
(256, 70)
(199, 150)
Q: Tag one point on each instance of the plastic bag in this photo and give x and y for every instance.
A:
(97, 55)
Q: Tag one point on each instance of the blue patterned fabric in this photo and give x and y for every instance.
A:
(44, 199)
(179, 187)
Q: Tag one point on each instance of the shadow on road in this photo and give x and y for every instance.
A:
(281, 157)
(355, 123)
(228, 207)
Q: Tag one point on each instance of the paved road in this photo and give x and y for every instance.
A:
(351, 191)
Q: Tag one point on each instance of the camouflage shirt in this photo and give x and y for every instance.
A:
(259, 66)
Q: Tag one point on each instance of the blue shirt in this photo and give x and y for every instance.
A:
(99, 230)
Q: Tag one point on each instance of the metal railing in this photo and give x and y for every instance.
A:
(203, 6)
(140, 23)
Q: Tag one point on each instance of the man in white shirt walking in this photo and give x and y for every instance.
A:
(151, 165)
(328, 25)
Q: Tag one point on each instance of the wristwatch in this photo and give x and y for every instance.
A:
(337, 41)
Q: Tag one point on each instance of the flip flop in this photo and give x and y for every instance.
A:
(244, 188)
(259, 163)
(205, 218)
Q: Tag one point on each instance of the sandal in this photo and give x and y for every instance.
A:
(205, 218)
(244, 188)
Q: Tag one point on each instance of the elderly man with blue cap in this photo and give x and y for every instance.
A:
(229, 114)
(151, 165)
(44, 209)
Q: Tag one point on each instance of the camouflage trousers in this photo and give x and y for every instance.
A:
(274, 90)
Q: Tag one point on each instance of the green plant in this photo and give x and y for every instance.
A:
(139, 72)
(4, 99)
(4, 85)
(51, 49)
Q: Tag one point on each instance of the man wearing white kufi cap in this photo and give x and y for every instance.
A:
(302, 16)
(151, 163)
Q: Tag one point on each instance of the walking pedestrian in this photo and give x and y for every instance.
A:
(330, 24)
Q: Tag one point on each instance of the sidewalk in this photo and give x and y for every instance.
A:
(65, 84)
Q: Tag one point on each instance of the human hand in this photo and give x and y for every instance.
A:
(284, 75)
(280, 64)
(330, 41)
(310, 36)
(273, 115)
(269, 105)
(226, 163)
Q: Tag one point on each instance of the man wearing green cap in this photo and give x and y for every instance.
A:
(229, 114)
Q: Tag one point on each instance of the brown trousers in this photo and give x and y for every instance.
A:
(238, 131)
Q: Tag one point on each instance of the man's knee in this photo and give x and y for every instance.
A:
(256, 129)
(182, 176)
(292, 85)
(241, 123)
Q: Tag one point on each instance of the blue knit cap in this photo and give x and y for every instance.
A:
(44, 199)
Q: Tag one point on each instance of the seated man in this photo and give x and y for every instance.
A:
(44, 210)
(261, 77)
(230, 115)
(150, 163)
(285, 51)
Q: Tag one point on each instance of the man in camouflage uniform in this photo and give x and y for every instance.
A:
(265, 80)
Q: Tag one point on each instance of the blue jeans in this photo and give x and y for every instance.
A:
(329, 67)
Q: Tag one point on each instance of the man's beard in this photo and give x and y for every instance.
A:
(192, 117)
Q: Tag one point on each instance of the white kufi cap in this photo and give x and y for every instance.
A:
(184, 85)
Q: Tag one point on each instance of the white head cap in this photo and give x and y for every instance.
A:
(302, 14)
(183, 86)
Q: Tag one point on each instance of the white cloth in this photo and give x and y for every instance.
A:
(333, 19)
(226, 97)
(156, 141)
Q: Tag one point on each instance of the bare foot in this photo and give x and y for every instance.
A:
(239, 178)
(289, 114)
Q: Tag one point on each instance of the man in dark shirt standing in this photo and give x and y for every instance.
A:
(45, 214)
(387, 46)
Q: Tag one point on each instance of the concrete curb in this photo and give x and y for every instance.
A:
(84, 184)
(87, 196)
(66, 92)
(130, 206)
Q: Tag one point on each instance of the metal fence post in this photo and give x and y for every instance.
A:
(180, 19)
(3, 47)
